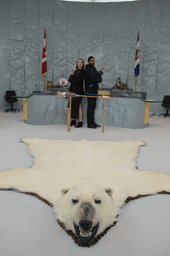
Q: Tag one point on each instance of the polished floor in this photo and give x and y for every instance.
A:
(28, 226)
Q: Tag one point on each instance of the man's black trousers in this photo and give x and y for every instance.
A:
(90, 110)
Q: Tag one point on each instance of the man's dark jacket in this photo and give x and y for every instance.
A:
(92, 79)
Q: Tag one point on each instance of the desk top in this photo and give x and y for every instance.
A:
(153, 101)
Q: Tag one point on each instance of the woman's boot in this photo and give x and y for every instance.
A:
(73, 122)
(80, 124)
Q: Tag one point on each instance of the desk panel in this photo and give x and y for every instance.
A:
(120, 112)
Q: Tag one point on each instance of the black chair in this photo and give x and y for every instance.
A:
(11, 97)
(166, 104)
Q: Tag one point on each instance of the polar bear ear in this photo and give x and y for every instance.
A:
(64, 191)
(109, 191)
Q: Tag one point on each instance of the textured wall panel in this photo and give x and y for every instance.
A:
(60, 40)
(73, 35)
(110, 19)
(46, 19)
(4, 51)
(32, 41)
(17, 58)
(163, 71)
(151, 47)
(107, 31)
(138, 15)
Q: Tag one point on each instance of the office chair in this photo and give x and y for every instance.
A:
(11, 97)
(166, 104)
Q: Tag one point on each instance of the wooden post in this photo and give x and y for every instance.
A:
(103, 113)
(69, 114)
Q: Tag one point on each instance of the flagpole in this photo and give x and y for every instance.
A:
(137, 63)
(44, 61)
(136, 84)
(44, 82)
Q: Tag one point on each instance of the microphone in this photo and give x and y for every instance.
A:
(37, 87)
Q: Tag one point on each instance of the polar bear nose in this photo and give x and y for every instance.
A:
(85, 224)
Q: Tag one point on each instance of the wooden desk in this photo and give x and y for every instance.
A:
(25, 109)
(147, 109)
(146, 115)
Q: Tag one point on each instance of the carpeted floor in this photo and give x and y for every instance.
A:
(28, 226)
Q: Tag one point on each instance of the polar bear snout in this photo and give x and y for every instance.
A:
(85, 224)
(85, 229)
(86, 212)
(85, 232)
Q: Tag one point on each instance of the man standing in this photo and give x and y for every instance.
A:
(92, 78)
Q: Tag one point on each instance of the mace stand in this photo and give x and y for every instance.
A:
(69, 114)
(103, 113)
(71, 95)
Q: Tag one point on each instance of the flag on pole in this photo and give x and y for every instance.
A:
(44, 54)
(137, 58)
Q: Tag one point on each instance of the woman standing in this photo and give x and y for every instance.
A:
(76, 85)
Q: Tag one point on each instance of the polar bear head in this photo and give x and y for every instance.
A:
(87, 210)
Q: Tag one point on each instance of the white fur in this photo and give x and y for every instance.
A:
(86, 168)
(69, 213)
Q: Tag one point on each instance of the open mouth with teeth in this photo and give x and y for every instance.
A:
(85, 233)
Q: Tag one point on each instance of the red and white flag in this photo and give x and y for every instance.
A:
(44, 54)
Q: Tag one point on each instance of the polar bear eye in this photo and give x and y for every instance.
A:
(75, 201)
(97, 201)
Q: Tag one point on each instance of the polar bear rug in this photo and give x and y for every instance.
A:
(86, 182)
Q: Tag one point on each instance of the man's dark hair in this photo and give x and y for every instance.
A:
(89, 58)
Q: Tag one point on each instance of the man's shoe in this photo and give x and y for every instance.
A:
(92, 126)
(97, 125)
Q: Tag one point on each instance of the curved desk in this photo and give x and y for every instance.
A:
(47, 109)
